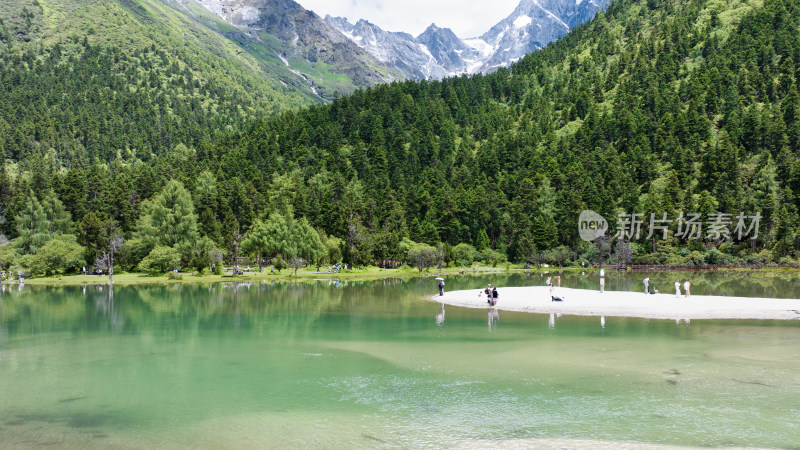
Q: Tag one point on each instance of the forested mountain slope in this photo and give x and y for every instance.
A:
(654, 106)
(90, 79)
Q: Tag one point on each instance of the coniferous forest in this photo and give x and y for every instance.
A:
(654, 107)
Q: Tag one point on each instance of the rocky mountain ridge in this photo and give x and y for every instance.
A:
(309, 46)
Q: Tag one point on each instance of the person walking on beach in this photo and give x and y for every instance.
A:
(677, 289)
(647, 285)
(602, 280)
(686, 287)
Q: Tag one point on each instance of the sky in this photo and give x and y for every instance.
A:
(467, 18)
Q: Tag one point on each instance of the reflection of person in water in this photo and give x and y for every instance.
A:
(440, 317)
(494, 316)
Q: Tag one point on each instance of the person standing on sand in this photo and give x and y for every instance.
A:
(494, 295)
(602, 280)
(686, 287)
(677, 289)
(647, 285)
(441, 288)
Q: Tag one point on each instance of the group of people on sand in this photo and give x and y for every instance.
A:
(491, 294)
(491, 291)
(554, 294)
(650, 289)
(686, 286)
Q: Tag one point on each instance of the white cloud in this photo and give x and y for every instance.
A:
(467, 18)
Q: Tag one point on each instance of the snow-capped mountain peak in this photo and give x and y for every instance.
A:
(438, 52)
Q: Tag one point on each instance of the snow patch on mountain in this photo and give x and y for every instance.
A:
(522, 21)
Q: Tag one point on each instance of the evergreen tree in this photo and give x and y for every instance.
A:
(169, 220)
(91, 234)
(33, 227)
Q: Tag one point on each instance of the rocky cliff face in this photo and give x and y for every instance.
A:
(399, 51)
(436, 53)
(452, 53)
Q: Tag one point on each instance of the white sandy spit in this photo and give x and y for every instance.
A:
(536, 299)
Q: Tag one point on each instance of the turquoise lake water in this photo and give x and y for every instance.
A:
(376, 364)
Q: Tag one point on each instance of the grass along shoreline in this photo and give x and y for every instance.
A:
(127, 279)
(370, 273)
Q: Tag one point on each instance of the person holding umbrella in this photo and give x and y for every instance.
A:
(441, 286)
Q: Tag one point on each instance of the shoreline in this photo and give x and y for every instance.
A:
(135, 279)
(582, 302)
(370, 273)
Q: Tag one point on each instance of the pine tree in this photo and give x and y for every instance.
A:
(58, 216)
(33, 227)
(91, 235)
(169, 220)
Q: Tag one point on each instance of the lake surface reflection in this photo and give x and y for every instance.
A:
(376, 364)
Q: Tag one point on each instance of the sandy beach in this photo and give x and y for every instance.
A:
(536, 299)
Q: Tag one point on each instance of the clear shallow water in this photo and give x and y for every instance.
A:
(366, 365)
